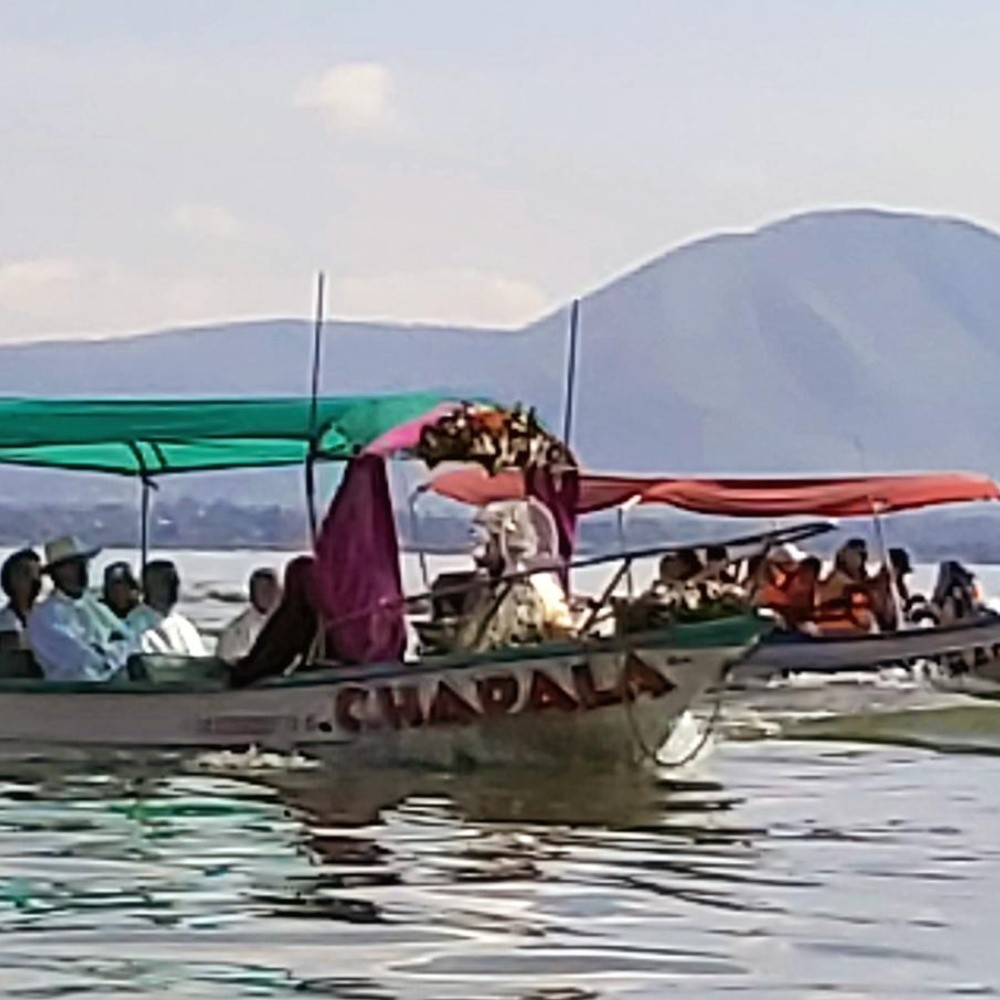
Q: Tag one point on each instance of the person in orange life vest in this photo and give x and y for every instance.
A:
(843, 599)
(786, 585)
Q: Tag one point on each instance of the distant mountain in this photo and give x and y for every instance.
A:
(825, 342)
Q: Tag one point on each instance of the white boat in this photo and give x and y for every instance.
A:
(611, 699)
(605, 700)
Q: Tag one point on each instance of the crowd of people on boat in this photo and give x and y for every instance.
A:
(515, 594)
(791, 586)
(74, 634)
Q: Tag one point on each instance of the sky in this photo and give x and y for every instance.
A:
(453, 160)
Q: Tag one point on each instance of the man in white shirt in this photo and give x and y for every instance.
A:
(241, 633)
(160, 628)
(73, 636)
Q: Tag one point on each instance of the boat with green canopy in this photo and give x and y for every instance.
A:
(157, 437)
(584, 695)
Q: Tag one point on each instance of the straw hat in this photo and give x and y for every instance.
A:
(66, 549)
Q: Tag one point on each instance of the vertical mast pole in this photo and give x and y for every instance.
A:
(570, 396)
(314, 406)
(570, 392)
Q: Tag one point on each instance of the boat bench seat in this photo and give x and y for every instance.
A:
(162, 668)
(18, 664)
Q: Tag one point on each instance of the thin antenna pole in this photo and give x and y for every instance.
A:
(314, 406)
(574, 327)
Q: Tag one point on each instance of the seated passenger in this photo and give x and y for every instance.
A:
(787, 585)
(519, 538)
(288, 633)
(121, 590)
(800, 596)
(843, 599)
(161, 628)
(73, 635)
(957, 594)
(21, 581)
(241, 633)
(677, 582)
(720, 571)
(890, 593)
(770, 575)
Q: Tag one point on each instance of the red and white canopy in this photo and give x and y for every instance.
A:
(825, 496)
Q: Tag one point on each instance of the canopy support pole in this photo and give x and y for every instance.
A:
(144, 502)
(621, 511)
(630, 580)
(411, 502)
(897, 603)
(147, 487)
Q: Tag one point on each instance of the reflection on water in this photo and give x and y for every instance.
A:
(785, 869)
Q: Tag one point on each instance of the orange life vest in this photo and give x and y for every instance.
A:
(852, 612)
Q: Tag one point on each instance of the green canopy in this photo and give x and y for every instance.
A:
(151, 437)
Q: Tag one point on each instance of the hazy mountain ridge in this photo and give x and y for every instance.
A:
(826, 342)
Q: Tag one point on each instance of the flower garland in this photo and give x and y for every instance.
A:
(496, 438)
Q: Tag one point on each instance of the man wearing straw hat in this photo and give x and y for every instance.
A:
(73, 636)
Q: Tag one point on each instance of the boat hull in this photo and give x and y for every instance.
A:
(967, 647)
(610, 700)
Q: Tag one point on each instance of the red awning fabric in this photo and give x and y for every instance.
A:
(827, 496)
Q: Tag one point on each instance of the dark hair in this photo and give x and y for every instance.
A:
(691, 562)
(899, 559)
(11, 563)
(263, 574)
(120, 572)
(714, 553)
(171, 578)
(812, 563)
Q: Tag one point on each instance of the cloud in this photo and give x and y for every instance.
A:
(37, 286)
(212, 221)
(447, 295)
(62, 297)
(355, 97)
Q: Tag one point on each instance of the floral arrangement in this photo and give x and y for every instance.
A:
(494, 437)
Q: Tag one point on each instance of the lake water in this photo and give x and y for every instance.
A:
(828, 859)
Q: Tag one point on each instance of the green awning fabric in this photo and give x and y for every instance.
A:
(151, 437)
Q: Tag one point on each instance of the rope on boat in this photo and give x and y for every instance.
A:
(652, 754)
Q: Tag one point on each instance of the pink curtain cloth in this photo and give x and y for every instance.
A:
(356, 586)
